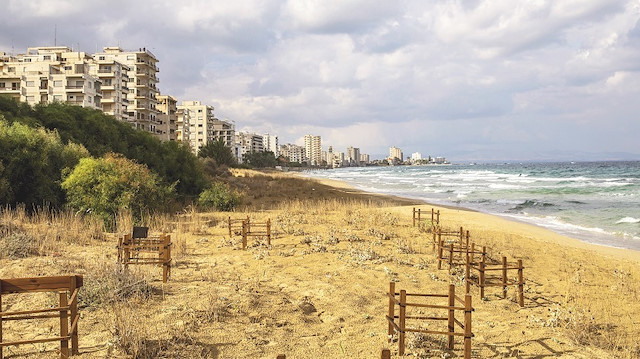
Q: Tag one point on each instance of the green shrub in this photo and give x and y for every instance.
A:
(219, 196)
(104, 186)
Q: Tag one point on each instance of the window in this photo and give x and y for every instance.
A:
(57, 83)
(30, 83)
(79, 83)
(27, 60)
(47, 57)
(199, 110)
(57, 97)
(131, 57)
(89, 99)
(2, 85)
(11, 69)
(101, 57)
(107, 82)
(67, 67)
(199, 125)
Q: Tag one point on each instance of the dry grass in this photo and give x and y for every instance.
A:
(318, 291)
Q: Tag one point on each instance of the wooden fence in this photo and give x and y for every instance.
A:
(435, 217)
(235, 225)
(255, 229)
(67, 310)
(484, 280)
(464, 305)
(149, 250)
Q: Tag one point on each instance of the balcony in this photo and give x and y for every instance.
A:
(75, 88)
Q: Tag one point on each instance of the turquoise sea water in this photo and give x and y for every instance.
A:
(598, 202)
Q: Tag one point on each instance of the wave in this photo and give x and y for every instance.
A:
(628, 220)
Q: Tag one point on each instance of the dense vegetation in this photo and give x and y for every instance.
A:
(101, 134)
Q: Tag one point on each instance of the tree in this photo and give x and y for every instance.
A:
(219, 196)
(219, 152)
(32, 163)
(261, 159)
(104, 186)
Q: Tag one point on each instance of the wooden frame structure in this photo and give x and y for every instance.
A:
(255, 229)
(150, 250)
(435, 218)
(400, 299)
(67, 310)
(500, 280)
(235, 225)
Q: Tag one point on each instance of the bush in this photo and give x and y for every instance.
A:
(32, 162)
(104, 186)
(18, 245)
(220, 197)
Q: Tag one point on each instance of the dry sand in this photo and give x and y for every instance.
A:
(319, 290)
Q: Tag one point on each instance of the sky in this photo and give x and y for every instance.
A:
(468, 80)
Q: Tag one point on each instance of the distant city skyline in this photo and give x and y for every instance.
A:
(471, 81)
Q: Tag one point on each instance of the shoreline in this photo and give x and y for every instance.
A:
(556, 237)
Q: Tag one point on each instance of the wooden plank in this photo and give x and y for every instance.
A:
(433, 332)
(37, 284)
(33, 341)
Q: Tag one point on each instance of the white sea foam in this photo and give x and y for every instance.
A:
(628, 220)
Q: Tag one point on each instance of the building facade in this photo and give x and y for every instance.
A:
(313, 149)
(293, 153)
(168, 119)
(271, 144)
(353, 156)
(395, 154)
(51, 74)
(142, 108)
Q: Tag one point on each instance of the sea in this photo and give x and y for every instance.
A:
(596, 202)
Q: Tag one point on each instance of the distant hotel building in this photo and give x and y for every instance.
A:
(313, 148)
(353, 156)
(168, 117)
(198, 122)
(271, 144)
(364, 158)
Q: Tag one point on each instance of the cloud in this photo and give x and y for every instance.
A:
(462, 77)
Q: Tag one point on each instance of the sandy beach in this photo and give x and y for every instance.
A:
(320, 289)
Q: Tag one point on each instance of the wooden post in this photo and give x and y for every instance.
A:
(440, 253)
(438, 217)
(281, 356)
(269, 231)
(467, 274)
(127, 252)
(73, 307)
(414, 216)
(64, 325)
(1, 356)
(229, 226)
(461, 236)
(451, 324)
(473, 249)
(386, 354)
(504, 277)
(403, 311)
(432, 214)
(450, 255)
(520, 284)
(392, 311)
(166, 265)
(482, 278)
(467, 326)
(248, 225)
(433, 245)
(245, 224)
(419, 218)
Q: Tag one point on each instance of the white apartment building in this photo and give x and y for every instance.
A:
(313, 149)
(364, 158)
(115, 80)
(200, 124)
(168, 117)
(142, 75)
(416, 156)
(248, 143)
(353, 156)
(339, 159)
(182, 125)
(47, 74)
(395, 153)
(225, 130)
(271, 144)
(293, 152)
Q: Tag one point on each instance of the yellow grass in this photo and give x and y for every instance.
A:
(319, 290)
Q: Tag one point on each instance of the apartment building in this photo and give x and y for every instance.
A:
(313, 149)
(395, 153)
(271, 144)
(168, 117)
(115, 90)
(353, 156)
(364, 158)
(182, 125)
(199, 126)
(249, 142)
(47, 74)
(142, 85)
(293, 152)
